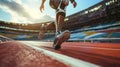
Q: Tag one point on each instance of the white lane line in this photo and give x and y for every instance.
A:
(62, 58)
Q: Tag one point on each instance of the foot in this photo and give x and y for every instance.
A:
(41, 34)
(60, 38)
(55, 44)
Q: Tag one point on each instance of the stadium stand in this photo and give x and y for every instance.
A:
(93, 15)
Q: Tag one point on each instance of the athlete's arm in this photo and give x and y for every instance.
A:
(42, 5)
(74, 3)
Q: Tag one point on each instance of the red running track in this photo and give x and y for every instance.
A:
(103, 54)
(15, 54)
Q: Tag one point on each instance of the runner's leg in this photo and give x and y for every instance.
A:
(60, 14)
(59, 4)
(59, 21)
(54, 4)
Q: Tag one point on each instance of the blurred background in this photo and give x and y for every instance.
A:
(98, 23)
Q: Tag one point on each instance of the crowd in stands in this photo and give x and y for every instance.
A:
(108, 31)
(101, 12)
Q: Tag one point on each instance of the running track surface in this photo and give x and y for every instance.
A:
(17, 54)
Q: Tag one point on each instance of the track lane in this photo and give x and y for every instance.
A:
(72, 62)
(103, 54)
(98, 54)
(16, 54)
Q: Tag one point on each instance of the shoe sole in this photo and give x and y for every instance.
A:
(59, 40)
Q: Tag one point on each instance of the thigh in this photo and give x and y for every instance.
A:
(54, 3)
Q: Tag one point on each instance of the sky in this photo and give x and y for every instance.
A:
(27, 11)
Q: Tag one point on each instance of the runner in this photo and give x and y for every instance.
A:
(60, 7)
